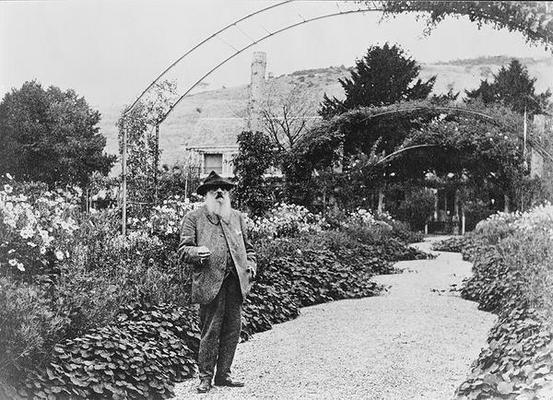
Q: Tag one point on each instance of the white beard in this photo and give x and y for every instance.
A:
(219, 207)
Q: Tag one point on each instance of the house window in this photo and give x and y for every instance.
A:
(213, 162)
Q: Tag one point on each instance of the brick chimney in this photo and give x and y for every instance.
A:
(257, 91)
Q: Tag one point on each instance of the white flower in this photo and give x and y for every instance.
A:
(59, 255)
(10, 222)
(26, 233)
(8, 189)
(12, 262)
(31, 244)
(9, 177)
(20, 267)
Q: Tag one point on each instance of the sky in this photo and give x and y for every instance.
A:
(110, 50)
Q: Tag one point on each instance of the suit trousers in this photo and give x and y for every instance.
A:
(220, 324)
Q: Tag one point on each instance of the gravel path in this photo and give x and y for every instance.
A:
(415, 342)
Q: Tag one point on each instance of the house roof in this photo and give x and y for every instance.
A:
(216, 132)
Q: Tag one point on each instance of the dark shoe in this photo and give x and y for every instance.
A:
(204, 386)
(228, 382)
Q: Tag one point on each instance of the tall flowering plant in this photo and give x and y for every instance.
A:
(36, 226)
(497, 226)
(367, 225)
(368, 219)
(164, 219)
(285, 220)
(538, 219)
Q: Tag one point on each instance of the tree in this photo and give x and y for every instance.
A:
(50, 136)
(255, 157)
(385, 75)
(287, 114)
(512, 87)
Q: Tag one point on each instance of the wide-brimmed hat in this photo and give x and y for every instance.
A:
(213, 181)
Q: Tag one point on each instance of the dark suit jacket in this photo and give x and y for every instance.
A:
(207, 277)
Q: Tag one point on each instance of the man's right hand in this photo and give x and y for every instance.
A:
(203, 253)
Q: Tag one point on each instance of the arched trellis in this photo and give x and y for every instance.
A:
(456, 110)
(413, 107)
(535, 22)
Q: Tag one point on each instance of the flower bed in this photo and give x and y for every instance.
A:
(513, 277)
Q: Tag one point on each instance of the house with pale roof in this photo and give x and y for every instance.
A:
(215, 143)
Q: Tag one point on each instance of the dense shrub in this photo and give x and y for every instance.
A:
(142, 356)
(494, 281)
(496, 226)
(266, 305)
(453, 244)
(476, 211)
(513, 277)
(369, 227)
(401, 231)
(29, 327)
(517, 363)
(416, 209)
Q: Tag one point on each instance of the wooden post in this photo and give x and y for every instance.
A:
(124, 180)
(455, 218)
(187, 176)
(507, 205)
(463, 221)
(436, 205)
(380, 201)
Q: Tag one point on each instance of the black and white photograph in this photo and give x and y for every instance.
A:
(276, 199)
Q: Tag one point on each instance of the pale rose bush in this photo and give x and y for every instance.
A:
(378, 224)
(285, 220)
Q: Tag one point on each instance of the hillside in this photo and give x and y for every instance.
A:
(212, 117)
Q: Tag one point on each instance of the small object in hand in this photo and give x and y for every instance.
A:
(203, 253)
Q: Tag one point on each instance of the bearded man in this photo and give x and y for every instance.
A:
(214, 242)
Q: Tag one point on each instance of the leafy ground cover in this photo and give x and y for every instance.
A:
(512, 277)
(87, 314)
